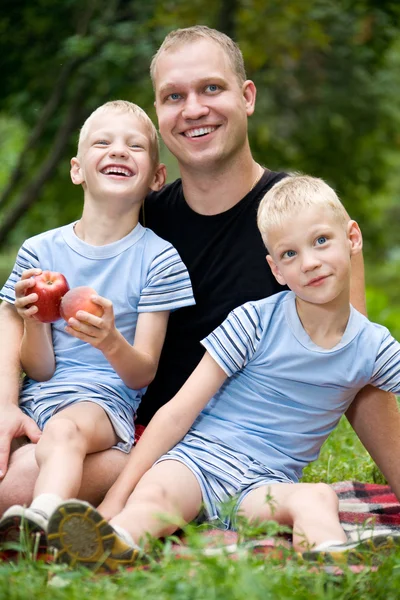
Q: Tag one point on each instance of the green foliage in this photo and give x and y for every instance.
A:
(327, 73)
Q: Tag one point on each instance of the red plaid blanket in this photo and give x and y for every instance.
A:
(366, 505)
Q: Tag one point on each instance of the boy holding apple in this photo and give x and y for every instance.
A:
(276, 377)
(84, 381)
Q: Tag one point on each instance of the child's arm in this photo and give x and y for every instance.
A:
(36, 350)
(168, 426)
(137, 364)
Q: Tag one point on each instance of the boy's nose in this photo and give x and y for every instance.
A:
(309, 262)
(118, 151)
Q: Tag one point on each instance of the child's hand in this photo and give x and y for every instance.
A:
(109, 508)
(24, 304)
(100, 332)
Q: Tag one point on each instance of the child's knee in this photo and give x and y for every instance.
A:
(59, 432)
(153, 495)
(312, 496)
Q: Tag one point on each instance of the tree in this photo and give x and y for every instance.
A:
(327, 75)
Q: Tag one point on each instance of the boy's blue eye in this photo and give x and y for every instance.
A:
(321, 240)
(289, 254)
(212, 87)
(174, 96)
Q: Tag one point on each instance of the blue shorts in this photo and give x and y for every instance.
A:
(222, 474)
(44, 401)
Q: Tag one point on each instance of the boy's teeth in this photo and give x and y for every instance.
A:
(199, 131)
(117, 171)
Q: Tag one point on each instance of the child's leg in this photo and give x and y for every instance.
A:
(67, 438)
(167, 496)
(311, 509)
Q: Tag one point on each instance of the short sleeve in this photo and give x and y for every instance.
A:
(168, 284)
(386, 373)
(26, 259)
(233, 344)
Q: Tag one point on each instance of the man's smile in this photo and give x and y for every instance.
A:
(198, 131)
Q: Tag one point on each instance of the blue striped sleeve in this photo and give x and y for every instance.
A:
(26, 259)
(233, 344)
(168, 284)
(386, 374)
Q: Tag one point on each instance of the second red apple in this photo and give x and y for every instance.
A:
(79, 298)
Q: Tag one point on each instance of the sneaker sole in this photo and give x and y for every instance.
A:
(82, 537)
(356, 553)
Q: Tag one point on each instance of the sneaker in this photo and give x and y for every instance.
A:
(353, 553)
(25, 526)
(82, 537)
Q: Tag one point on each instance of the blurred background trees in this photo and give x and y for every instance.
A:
(328, 80)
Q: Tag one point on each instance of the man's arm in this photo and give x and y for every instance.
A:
(374, 414)
(13, 422)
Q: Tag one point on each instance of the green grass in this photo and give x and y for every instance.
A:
(247, 577)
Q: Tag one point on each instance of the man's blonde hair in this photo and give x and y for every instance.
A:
(188, 35)
(290, 196)
(124, 106)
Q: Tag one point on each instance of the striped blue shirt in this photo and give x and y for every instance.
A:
(285, 394)
(139, 273)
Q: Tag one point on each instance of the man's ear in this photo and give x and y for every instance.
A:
(355, 237)
(275, 270)
(159, 179)
(249, 93)
(76, 171)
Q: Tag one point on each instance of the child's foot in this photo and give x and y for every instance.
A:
(353, 553)
(27, 526)
(81, 536)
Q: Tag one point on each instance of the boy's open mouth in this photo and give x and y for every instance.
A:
(121, 171)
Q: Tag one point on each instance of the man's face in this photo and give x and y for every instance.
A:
(202, 107)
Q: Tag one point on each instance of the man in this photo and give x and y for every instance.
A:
(203, 101)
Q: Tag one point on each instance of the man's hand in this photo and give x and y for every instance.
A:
(14, 424)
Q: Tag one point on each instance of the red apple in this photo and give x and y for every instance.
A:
(79, 298)
(50, 287)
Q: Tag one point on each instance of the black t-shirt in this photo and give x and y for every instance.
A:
(225, 257)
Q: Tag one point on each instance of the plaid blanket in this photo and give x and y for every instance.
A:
(367, 505)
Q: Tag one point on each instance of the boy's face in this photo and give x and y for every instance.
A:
(311, 254)
(115, 159)
(202, 108)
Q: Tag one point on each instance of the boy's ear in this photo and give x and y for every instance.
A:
(355, 237)
(159, 179)
(76, 171)
(275, 270)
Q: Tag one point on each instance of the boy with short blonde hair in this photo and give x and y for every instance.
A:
(84, 381)
(276, 377)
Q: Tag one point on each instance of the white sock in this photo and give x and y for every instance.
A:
(324, 545)
(125, 536)
(46, 503)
